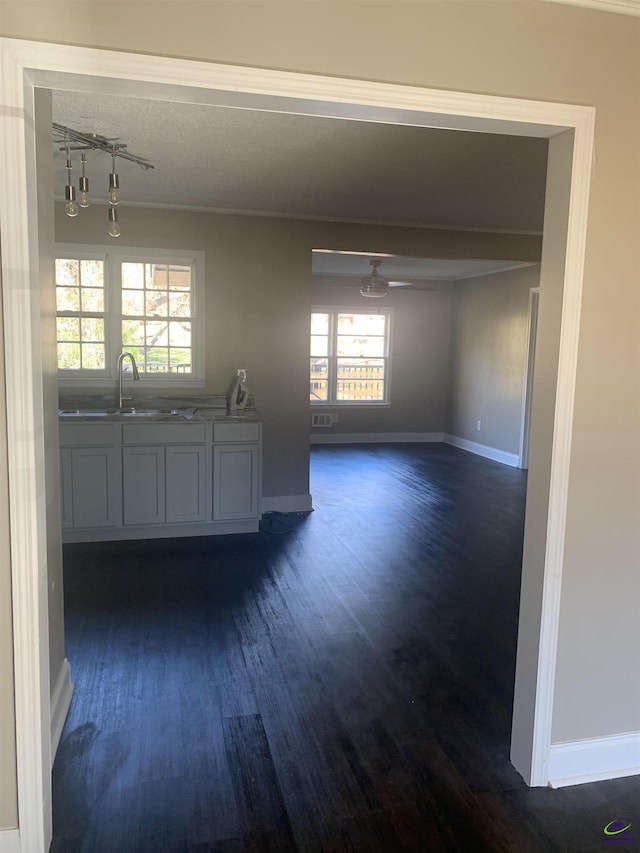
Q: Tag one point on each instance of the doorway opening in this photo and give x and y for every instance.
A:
(571, 132)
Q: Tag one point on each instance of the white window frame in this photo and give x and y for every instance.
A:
(113, 256)
(333, 311)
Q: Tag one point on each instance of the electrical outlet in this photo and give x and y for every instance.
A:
(478, 425)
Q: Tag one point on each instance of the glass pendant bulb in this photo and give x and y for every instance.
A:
(114, 183)
(70, 208)
(114, 228)
(83, 185)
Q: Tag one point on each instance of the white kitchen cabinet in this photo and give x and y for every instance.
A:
(236, 470)
(126, 480)
(66, 488)
(185, 483)
(90, 476)
(164, 482)
(95, 486)
(235, 481)
(143, 485)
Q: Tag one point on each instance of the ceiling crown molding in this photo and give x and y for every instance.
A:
(621, 7)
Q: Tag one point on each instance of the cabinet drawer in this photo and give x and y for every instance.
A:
(86, 435)
(163, 434)
(236, 432)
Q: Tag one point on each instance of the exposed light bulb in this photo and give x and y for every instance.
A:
(70, 208)
(114, 228)
(114, 183)
(83, 185)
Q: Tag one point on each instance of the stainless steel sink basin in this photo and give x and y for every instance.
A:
(78, 414)
(127, 413)
(141, 413)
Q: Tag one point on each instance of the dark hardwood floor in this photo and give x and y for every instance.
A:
(339, 682)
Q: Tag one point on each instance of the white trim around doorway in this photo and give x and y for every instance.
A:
(26, 65)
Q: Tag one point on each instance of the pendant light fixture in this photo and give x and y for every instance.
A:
(373, 284)
(83, 184)
(70, 208)
(114, 180)
(114, 187)
(114, 227)
(79, 141)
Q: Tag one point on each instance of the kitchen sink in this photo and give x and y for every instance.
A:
(126, 413)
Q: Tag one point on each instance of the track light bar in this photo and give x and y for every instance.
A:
(76, 140)
(79, 141)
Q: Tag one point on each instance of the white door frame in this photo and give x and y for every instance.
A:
(25, 65)
(527, 391)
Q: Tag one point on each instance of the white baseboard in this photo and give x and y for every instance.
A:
(10, 841)
(287, 503)
(594, 760)
(375, 437)
(60, 701)
(511, 459)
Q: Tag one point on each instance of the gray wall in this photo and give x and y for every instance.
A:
(419, 358)
(489, 356)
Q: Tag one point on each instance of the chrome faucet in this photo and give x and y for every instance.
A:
(134, 370)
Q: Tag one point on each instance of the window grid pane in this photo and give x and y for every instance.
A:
(80, 314)
(349, 357)
(156, 316)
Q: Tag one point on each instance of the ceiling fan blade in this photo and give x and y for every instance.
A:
(401, 284)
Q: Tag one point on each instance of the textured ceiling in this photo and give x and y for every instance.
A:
(258, 162)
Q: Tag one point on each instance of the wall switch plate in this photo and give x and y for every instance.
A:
(478, 425)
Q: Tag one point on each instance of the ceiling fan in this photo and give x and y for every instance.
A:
(375, 285)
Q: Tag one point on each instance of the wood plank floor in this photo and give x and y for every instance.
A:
(342, 686)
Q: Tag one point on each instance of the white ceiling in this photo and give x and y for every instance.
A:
(227, 159)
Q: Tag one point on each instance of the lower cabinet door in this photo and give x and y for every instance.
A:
(185, 483)
(235, 481)
(94, 478)
(66, 488)
(143, 485)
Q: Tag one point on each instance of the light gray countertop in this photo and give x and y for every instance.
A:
(152, 410)
(143, 416)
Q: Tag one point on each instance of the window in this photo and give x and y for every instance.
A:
(146, 302)
(349, 356)
(80, 313)
(156, 316)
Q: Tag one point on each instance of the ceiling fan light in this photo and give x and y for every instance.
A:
(373, 284)
(373, 288)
